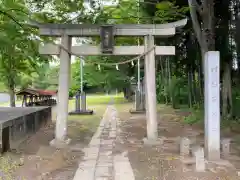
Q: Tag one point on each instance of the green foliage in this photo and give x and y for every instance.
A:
(196, 115)
(107, 78)
(19, 57)
(169, 11)
(173, 90)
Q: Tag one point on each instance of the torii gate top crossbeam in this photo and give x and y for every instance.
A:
(85, 30)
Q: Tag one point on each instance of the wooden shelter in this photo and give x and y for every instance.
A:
(37, 97)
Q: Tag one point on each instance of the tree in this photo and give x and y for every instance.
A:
(19, 45)
(203, 17)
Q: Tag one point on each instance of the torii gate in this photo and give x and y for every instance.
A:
(107, 33)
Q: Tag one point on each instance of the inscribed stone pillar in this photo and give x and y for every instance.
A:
(63, 87)
(152, 132)
(212, 105)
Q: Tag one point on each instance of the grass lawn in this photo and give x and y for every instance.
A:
(87, 124)
(98, 103)
(101, 99)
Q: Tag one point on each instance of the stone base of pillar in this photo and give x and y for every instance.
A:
(153, 142)
(133, 111)
(60, 143)
(213, 156)
(81, 112)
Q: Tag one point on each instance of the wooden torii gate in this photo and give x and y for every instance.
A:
(107, 34)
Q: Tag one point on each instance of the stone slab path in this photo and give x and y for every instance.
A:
(100, 162)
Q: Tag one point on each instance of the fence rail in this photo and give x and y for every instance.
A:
(17, 123)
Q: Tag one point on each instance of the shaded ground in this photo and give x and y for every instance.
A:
(35, 159)
(163, 162)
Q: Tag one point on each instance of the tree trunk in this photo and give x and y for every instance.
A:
(169, 80)
(194, 87)
(237, 38)
(166, 85)
(204, 30)
(164, 78)
(227, 92)
(200, 79)
(12, 96)
(189, 89)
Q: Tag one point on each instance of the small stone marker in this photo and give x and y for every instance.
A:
(225, 147)
(184, 146)
(200, 161)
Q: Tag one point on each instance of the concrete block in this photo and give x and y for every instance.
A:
(185, 147)
(225, 146)
(200, 161)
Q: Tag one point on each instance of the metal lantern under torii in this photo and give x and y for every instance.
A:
(80, 101)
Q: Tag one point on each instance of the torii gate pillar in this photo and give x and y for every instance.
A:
(63, 94)
(151, 103)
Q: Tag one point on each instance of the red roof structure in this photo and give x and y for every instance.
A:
(36, 92)
(46, 92)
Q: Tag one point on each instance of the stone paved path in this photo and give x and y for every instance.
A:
(99, 162)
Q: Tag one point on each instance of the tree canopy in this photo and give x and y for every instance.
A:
(211, 26)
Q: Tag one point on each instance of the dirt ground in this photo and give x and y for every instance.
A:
(163, 162)
(35, 159)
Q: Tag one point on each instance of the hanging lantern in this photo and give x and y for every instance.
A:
(132, 63)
